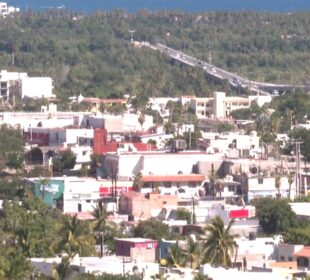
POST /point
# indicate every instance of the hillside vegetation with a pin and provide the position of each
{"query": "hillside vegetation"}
(92, 54)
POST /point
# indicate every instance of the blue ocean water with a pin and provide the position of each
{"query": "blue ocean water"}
(153, 5)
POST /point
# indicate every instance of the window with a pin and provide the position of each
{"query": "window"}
(167, 184)
(290, 259)
(282, 258)
(150, 245)
(260, 181)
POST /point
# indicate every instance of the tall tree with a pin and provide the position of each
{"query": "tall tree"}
(100, 215)
(176, 256)
(275, 215)
(194, 253)
(290, 180)
(278, 185)
(219, 244)
(75, 238)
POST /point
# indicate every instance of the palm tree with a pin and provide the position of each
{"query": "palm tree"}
(213, 180)
(290, 180)
(137, 182)
(219, 244)
(176, 256)
(75, 238)
(194, 253)
(278, 184)
(100, 215)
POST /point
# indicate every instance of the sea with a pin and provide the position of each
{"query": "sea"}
(89, 6)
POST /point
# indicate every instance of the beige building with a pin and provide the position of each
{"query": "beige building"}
(145, 206)
(219, 106)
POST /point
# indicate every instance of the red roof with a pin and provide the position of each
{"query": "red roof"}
(173, 178)
(304, 252)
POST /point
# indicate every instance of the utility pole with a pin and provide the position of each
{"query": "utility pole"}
(297, 166)
(190, 138)
(114, 171)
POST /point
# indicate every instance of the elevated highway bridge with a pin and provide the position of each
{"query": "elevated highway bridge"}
(221, 74)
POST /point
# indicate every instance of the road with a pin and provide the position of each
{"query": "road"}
(221, 74)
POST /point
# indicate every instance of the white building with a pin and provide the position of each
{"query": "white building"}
(119, 123)
(265, 186)
(25, 86)
(220, 273)
(261, 99)
(224, 141)
(45, 119)
(97, 266)
(37, 87)
(221, 106)
(6, 10)
(159, 104)
(154, 163)
(77, 195)
(10, 82)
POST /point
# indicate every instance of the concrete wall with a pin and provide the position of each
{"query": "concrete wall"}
(218, 104)
(37, 87)
(285, 252)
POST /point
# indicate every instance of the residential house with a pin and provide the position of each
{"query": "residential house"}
(24, 86)
(78, 194)
(218, 106)
(145, 206)
(130, 164)
(137, 248)
(97, 266)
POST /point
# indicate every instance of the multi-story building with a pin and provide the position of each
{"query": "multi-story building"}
(77, 195)
(24, 86)
(219, 106)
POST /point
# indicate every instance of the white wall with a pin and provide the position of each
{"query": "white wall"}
(267, 187)
(218, 104)
(73, 135)
(37, 87)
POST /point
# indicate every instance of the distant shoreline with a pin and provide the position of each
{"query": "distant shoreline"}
(191, 6)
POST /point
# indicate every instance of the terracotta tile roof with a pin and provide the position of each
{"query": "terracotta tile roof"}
(173, 178)
(304, 252)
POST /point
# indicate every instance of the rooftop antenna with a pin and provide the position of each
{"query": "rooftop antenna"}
(132, 33)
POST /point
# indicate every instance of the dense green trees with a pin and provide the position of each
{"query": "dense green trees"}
(183, 214)
(92, 54)
(275, 215)
(27, 229)
(151, 228)
(64, 160)
(11, 143)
